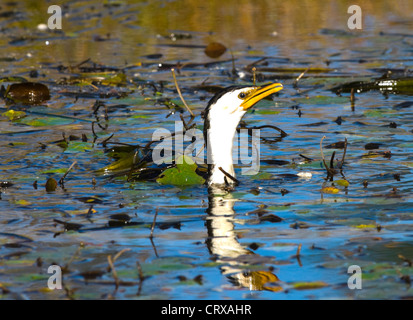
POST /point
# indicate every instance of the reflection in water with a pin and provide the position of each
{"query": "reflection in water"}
(222, 242)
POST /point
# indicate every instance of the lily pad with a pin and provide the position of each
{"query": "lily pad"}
(182, 175)
(35, 121)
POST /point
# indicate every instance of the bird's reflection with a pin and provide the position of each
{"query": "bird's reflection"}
(222, 242)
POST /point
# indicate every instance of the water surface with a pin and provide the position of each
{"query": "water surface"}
(268, 217)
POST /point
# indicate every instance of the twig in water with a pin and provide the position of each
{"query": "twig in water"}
(66, 266)
(255, 63)
(103, 143)
(141, 278)
(331, 171)
(199, 152)
(344, 154)
(76, 66)
(283, 133)
(106, 113)
(299, 77)
(133, 165)
(93, 131)
(154, 247)
(61, 181)
(180, 94)
(299, 250)
(352, 99)
(408, 261)
(187, 126)
(111, 262)
(89, 212)
(229, 176)
(114, 273)
(97, 105)
(305, 158)
(298, 255)
(234, 70)
(322, 153)
(332, 160)
(120, 253)
(254, 75)
(153, 224)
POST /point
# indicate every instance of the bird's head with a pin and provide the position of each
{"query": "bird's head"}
(232, 103)
(223, 114)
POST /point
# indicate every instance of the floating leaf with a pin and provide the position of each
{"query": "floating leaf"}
(378, 113)
(182, 175)
(12, 79)
(78, 146)
(45, 121)
(28, 93)
(161, 265)
(262, 175)
(14, 115)
(22, 202)
(332, 190)
(342, 182)
(49, 171)
(309, 285)
(125, 161)
(215, 50)
(105, 78)
(364, 226)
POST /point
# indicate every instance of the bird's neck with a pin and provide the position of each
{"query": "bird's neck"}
(220, 141)
(220, 156)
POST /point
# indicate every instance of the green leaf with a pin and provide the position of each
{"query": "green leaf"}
(309, 285)
(59, 171)
(78, 146)
(331, 190)
(105, 78)
(342, 182)
(44, 121)
(14, 115)
(262, 176)
(182, 175)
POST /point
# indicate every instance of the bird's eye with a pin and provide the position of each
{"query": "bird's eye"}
(242, 95)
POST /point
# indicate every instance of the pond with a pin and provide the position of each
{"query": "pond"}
(69, 198)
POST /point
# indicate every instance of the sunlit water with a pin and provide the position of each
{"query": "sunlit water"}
(365, 224)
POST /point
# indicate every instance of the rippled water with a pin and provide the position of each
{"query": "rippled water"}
(247, 247)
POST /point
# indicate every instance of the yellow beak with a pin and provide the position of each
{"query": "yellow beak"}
(260, 93)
